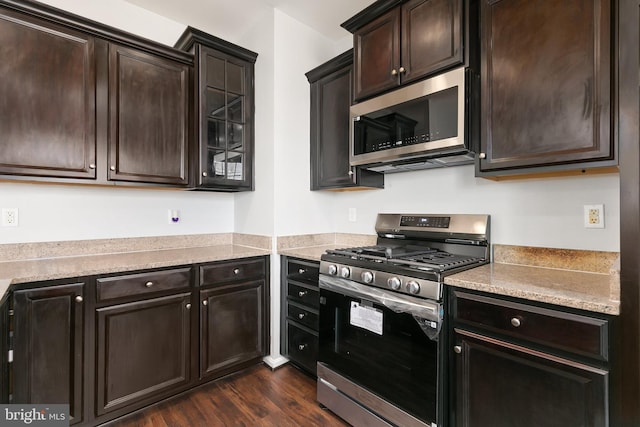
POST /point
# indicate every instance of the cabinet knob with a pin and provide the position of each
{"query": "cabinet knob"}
(204, 174)
(394, 72)
(79, 298)
(302, 347)
(204, 302)
(149, 284)
(482, 155)
(92, 166)
(302, 271)
(302, 293)
(457, 349)
(236, 271)
(516, 322)
(301, 316)
(113, 168)
(188, 306)
(402, 70)
(350, 173)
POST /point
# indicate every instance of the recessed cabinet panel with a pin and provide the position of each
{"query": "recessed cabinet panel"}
(47, 99)
(148, 117)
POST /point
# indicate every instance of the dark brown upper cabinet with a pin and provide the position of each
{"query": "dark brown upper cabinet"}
(47, 99)
(148, 117)
(397, 42)
(546, 84)
(224, 105)
(81, 102)
(331, 94)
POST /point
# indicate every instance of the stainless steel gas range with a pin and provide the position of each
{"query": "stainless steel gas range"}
(381, 314)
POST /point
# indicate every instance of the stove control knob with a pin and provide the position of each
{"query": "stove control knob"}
(394, 283)
(345, 272)
(333, 270)
(367, 276)
(413, 287)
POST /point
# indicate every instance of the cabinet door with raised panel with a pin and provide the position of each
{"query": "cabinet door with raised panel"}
(377, 55)
(143, 351)
(232, 327)
(47, 99)
(501, 384)
(431, 37)
(148, 117)
(546, 83)
(48, 359)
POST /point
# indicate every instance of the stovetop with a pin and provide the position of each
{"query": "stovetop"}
(413, 253)
(413, 256)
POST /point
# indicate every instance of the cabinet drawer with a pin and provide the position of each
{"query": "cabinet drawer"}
(231, 271)
(301, 315)
(303, 295)
(303, 272)
(302, 347)
(584, 335)
(143, 283)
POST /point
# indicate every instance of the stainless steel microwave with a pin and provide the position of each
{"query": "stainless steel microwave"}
(427, 124)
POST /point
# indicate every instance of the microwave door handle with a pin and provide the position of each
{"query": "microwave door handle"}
(397, 302)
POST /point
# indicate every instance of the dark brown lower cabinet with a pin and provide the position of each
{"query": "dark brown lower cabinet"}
(143, 351)
(528, 365)
(48, 354)
(502, 385)
(232, 327)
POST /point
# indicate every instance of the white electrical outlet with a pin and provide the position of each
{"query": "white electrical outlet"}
(9, 217)
(593, 216)
(352, 214)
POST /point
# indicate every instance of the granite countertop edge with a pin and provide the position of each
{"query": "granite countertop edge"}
(575, 289)
(44, 269)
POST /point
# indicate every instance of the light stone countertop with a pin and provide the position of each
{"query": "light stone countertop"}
(312, 246)
(36, 270)
(36, 262)
(586, 280)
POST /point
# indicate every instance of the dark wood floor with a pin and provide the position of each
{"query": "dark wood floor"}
(255, 397)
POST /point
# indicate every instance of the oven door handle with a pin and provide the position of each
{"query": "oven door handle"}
(398, 303)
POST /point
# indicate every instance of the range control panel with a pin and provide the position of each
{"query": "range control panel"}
(425, 221)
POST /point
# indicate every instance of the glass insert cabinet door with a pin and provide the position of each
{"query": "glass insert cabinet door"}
(227, 120)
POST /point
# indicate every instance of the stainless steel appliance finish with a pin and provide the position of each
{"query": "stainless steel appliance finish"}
(423, 125)
(381, 313)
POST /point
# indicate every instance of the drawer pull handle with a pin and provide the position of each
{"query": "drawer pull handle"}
(457, 349)
(301, 316)
(188, 306)
(236, 271)
(301, 347)
(302, 271)
(516, 322)
(79, 298)
(302, 293)
(204, 302)
(148, 284)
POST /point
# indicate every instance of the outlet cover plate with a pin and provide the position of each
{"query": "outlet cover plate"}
(594, 216)
(9, 217)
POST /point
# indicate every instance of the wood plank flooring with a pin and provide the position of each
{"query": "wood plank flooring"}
(257, 396)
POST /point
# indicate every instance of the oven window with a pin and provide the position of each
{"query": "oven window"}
(429, 118)
(400, 365)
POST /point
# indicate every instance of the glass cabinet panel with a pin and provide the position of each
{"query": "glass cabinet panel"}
(226, 119)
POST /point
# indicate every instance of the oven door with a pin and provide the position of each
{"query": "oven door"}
(384, 342)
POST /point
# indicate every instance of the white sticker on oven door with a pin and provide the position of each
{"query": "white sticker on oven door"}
(368, 318)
